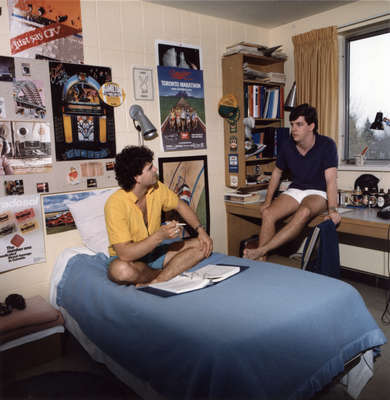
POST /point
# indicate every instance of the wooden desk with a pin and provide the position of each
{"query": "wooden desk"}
(243, 221)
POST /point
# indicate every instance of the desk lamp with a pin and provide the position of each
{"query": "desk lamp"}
(145, 128)
(381, 124)
(290, 103)
(377, 125)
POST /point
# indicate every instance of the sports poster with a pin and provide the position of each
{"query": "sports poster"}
(21, 232)
(46, 28)
(84, 127)
(182, 109)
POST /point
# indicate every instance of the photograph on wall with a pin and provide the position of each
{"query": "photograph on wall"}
(29, 99)
(182, 109)
(21, 233)
(25, 148)
(7, 69)
(14, 187)
(58, 218)
(84, 126)
(143, 83)
(188, 178)
(46, 28)
(171, 54)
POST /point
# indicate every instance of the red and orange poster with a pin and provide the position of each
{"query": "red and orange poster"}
(47, 28)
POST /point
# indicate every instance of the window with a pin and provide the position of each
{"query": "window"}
(367, 91)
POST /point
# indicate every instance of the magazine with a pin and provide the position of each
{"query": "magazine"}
(194, 280)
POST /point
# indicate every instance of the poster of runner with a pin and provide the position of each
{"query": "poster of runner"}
(182, 109)
(21, 232)
(46, 28)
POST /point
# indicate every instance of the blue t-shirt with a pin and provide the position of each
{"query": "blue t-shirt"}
(308, 171)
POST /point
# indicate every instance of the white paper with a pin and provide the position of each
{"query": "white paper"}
(188, 281)
(181, 284)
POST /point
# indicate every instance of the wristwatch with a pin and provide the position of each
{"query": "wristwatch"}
(199, 226)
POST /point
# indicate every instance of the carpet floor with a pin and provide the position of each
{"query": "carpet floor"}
(65, 385)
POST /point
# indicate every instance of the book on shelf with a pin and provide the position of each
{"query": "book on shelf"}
(243, 43)
(257, 49)
(193, 280)
(263, 102)
(252, 197)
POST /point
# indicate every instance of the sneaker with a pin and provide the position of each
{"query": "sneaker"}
(254, 149)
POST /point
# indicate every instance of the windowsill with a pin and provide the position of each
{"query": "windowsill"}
(385, 167)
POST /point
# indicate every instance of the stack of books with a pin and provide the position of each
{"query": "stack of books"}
(256, 49)
(245, 198)
(263, 102)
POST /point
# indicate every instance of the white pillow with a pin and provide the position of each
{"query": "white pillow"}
(88, 214)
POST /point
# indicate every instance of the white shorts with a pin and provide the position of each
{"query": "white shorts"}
(299, 194)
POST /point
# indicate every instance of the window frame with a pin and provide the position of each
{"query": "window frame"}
(350, 36)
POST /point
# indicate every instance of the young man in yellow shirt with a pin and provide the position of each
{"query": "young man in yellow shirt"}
(144, 249)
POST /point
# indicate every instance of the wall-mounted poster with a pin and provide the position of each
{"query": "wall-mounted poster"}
(58, 218)
(47, 28)
(182, 110)
(188, 178)
(84, 126)
(143, 83)
(21, 232)
(171, 54)
(25, 117)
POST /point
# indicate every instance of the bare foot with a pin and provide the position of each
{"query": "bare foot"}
(255, 254)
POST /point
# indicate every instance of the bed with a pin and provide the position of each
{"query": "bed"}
(269, 332)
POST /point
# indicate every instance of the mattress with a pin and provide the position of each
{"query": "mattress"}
(271, 332)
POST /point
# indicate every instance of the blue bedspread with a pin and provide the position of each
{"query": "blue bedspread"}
(270, 332)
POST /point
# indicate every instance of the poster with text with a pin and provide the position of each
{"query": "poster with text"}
(84, 126)
(21, 232)
(182, 109)
(46, 28)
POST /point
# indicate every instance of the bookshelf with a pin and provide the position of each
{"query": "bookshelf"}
(238, 167)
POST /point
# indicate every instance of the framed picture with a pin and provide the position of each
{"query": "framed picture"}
(188, 178)
(143, 83)
(171, 54)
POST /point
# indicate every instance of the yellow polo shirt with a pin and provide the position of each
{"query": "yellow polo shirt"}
(124, 219)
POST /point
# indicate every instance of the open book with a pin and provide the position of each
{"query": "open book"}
(189, 281)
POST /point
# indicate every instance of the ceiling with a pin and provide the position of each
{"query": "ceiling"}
(263, 13)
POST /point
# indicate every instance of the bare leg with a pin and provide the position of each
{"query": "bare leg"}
(309, 208)
(180, 259)
(128, 272)
(280, 208)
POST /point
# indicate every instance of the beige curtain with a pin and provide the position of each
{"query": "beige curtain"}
(317, 76)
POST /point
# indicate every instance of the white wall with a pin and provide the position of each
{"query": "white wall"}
(119, 34)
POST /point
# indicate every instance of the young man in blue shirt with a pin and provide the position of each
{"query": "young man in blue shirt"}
(312, 161)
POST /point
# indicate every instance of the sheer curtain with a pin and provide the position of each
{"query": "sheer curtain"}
(317, 76)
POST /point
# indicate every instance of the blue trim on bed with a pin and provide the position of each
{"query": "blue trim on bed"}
(272, 332)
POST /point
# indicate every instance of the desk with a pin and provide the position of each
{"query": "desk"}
(243, 222)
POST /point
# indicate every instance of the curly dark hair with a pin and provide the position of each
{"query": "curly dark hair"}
(129, 163)
(306, 111)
